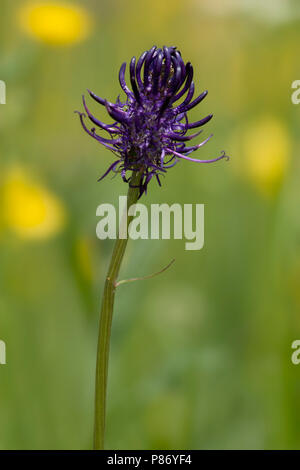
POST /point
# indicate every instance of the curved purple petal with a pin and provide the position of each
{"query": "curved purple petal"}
(200, 123)
(183, 138)
(132, 79)
(112, 167)
(139, 66)
(106, 127)
(123, 82)
(97, 98)
(196, 101)
(199, 161)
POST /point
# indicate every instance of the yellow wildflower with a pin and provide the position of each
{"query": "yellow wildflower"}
(29, 209)
(83, 255)
(266, 146)
(55, 23)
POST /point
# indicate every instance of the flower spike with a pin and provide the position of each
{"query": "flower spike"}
(149, 132)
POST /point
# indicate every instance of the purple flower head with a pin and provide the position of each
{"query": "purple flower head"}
(149, 129)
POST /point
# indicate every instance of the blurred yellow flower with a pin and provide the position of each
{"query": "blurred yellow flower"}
(266, 146)
(55, 23)
(83, 255)
(29, 209)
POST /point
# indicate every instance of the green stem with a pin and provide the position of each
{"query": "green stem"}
(106, 320)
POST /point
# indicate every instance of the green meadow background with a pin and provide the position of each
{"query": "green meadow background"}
(200, 355)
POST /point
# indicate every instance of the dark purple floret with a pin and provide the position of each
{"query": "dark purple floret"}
(149, 132)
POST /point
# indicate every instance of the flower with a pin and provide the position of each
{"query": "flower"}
(55, 23)
(29, 209)
(149, 131)
(83, 256)
(266, 164)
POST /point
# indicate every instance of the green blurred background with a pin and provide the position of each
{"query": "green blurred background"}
(201, 355)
